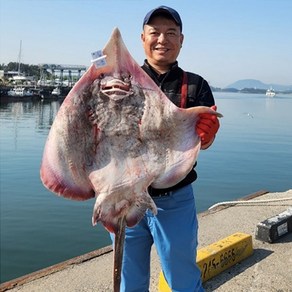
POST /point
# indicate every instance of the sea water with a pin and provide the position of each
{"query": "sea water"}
(252, 152)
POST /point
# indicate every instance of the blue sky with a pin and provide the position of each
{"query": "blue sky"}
(225, 40)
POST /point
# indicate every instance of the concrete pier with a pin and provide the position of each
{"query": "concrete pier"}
(269, 268)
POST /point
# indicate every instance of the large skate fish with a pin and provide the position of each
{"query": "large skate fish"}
(116, 134)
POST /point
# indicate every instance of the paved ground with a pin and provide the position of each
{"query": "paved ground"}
(268, 269)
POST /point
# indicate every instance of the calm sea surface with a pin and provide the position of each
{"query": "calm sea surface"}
(253, 151)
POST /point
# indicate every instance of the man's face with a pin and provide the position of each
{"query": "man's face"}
(162, 41)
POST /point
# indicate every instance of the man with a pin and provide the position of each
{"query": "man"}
(174, 229)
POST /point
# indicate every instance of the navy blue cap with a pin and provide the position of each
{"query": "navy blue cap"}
(163, 9)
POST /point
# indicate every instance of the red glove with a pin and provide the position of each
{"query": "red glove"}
(207, 127)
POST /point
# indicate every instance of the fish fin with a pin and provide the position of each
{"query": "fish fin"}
(137, 211)
(186, 145)
(109, 213)
(57, 180)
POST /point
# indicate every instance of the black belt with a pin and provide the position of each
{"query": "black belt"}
(160, 194)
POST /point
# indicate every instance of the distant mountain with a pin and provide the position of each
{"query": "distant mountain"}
(256, 84)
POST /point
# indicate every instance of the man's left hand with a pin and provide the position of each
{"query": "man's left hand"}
(207, 127)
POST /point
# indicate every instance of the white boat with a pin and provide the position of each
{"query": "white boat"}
(56, 91)
(20, 91)
(270, 92)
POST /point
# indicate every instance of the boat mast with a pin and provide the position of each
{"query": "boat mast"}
(19, 57)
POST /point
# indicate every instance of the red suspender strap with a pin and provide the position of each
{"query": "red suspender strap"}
(184, 91)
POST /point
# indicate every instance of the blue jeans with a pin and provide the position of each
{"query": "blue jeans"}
(174, 233)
